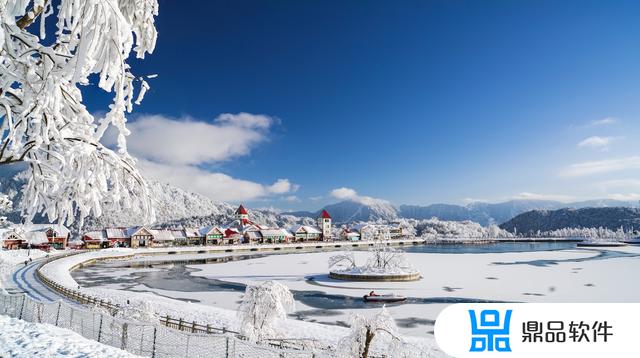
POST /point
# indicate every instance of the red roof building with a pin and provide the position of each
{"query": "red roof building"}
(325, 215)
(241, 210)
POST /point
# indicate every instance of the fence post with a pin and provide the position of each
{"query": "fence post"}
(100, 328)
(24, 299)
(153, 349)
(193, 327)
(180, 324)
(40, 308)
(227, 348)
(58, 313)
(123, 344)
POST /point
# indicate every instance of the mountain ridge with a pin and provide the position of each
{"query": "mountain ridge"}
(480, 212)
(611, 218)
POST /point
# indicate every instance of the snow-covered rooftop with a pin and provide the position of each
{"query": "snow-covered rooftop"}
(116, 233)
(162, 235)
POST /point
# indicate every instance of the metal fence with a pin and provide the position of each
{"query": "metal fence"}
(172, 322)
(142, 339)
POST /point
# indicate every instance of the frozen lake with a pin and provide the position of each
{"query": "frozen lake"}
(516, 272)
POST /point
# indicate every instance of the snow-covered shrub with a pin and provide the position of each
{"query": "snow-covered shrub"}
(435, 228)
(360, 341)
(262, 305)
(139, 310)
(599, 233)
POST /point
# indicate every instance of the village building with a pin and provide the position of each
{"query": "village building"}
(377, 231)
(272, 236)
(350, 235)
(179, 237)
(324, 223)
(95, 240)
(117, 237)
(162, 238)
(40, 236)
(240, 230)
(253, 237)
(56, 235)
(212, 235)
(396, 232)
(12, 240)
(193, 236)
(306, 233)
(139, 237)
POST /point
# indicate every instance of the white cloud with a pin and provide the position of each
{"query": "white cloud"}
(291, 199)
(601, 166)
(625, 197)
(632, 184)
(246, 120)
(282, 186)
(535, 196)
(316, 198)
(603, 122)
(596, 142)
(188, 141)
(218, 186)
(343, 193)
(350, 194)
(173, 150)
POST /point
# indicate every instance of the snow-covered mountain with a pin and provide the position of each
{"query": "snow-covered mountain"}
(548, 220)
(496, 213)
(174, 207)
(171, 203)
(355, 210)
(178, 207)
(480, 212)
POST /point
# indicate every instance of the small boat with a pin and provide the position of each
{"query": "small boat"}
(384, 298)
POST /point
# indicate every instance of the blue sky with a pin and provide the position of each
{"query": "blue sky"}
(414, 102)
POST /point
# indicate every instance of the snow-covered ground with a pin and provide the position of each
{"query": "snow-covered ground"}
(217, 314)
(571, 275)
(544, 276)
(576, 275)
(23, 339)
(10, 258)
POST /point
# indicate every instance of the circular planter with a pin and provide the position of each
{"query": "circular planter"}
(414, 276)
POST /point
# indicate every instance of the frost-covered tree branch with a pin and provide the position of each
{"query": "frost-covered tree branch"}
(341, 259)
(44, 121)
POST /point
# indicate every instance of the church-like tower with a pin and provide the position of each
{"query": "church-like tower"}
(324, 223)
(242, 215)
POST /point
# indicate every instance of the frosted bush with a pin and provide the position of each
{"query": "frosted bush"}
(263, 304)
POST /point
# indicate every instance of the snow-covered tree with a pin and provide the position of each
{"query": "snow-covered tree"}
(5, 203)
(363, 331)
(262, 305)
(45, 124)
(344, 260)
(387, 259)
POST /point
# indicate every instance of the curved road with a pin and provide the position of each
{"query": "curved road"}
(24, 280)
